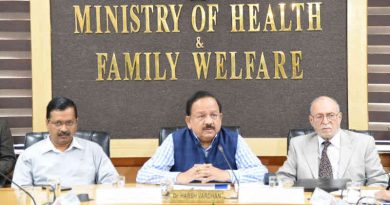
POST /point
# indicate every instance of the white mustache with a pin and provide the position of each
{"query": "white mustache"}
(326, 127)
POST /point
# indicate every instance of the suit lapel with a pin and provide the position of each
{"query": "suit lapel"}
(346, 145)
(311, 154)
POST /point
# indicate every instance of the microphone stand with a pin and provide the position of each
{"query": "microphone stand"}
(236, 188)
(10, 180)
(49, 188)
(386, 173)
(367, 178)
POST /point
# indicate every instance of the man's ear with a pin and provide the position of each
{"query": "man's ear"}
(311, 120)
(47, 124)
(188, 121)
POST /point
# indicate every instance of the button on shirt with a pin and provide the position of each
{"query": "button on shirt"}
(333, 153)
(84, 162)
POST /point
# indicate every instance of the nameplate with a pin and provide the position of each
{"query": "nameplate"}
(196, 196)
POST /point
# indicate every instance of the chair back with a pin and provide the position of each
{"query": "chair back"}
(304, 131)
(165, 131)
(366, 132)
(101, 138)
(297, 132)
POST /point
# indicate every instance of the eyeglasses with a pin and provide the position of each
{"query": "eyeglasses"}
(59, 124)
(203, 117)
(329, 116)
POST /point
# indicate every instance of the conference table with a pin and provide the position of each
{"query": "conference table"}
(109, 194)
(141, 194)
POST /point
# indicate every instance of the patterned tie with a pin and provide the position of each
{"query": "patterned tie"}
(325, 166)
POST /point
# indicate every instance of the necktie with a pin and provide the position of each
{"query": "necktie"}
(325, 170)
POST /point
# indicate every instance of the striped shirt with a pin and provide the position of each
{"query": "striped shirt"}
(156, 169)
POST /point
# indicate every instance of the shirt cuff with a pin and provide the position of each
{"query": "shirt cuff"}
(232, 178)
(172, 176)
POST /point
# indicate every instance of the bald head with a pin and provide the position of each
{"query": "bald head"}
(324, 100)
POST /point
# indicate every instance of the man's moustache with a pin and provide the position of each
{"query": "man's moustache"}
(60, 134)
(209, 127)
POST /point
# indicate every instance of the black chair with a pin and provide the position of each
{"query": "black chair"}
(101, 138)
(7, 155)
(304, 131)
(165, 131)
(297, 132)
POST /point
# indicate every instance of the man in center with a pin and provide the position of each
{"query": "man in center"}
(192, 154)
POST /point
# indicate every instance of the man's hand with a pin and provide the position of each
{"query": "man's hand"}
(211, 173)
(383, 195)
(189, 175)
(203, 173)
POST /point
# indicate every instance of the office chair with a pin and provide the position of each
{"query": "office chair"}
(101, 138)
(165, 131)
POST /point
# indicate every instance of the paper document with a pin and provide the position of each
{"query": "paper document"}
(150, 195)
(363, 192)
(259, 193)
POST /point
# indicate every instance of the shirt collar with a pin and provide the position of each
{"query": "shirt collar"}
(211, 144)
(49, 146)
(335, 141)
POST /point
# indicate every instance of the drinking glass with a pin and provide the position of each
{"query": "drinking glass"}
(119, 181)
(166, 186)
(273, 181)
(353, 191)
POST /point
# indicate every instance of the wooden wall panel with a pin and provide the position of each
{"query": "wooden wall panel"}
(15, 67)
(379, 67)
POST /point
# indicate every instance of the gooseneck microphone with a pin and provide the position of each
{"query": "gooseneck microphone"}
(367, 178)
(51, 189)
(388, 183)
(220, 148)
(10, 180)
(378, 175)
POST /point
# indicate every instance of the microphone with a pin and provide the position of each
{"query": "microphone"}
(367, 178)
(51, 189)
(220, 148)
(378, 175)
(10, 180)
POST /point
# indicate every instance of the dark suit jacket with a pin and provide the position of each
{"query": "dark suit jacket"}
(7, 154)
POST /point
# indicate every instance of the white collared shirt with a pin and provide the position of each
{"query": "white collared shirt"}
(205, 150)
(333, 152)
(49, 146)
(84, 162)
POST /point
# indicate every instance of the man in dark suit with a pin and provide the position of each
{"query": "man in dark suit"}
(7, 154)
